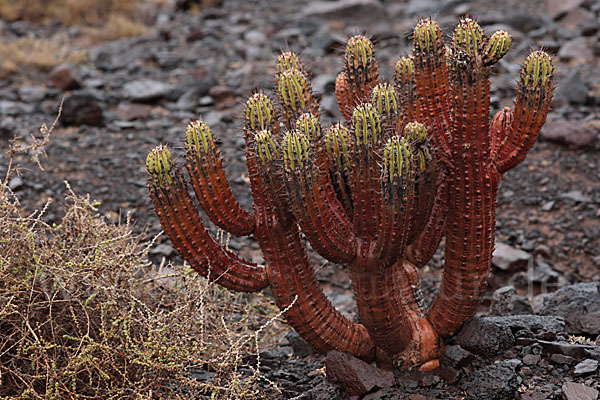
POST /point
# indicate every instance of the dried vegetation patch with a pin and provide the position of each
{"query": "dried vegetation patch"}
(97, 20)
(83, 314)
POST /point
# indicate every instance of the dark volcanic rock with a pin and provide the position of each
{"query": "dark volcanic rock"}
(355, 375)
(505, 301)
(498, 381)
(578, 304)
(573, 350)
(490, 336)
(484, 337)
(300, 347)
(456, 357)
(81, 108)
(572, 133)
(562, 359)
(534, 323)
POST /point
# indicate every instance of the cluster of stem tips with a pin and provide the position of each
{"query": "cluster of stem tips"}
(414, 160)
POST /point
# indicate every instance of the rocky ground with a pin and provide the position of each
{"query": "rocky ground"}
(135, 93)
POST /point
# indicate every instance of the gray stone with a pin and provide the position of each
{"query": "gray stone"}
(578, 391)
(586, 367)
(146, 90)
(572, 89)
(363, 11)
(167, 60)
(356, 376)
(123, 53)
(508, 258)
(324, 83)
(579, 305)
(162, 250)
(575, 49)
(8, 107)
(543, 273)
(193, 94)
(429, 7)
(326, 42)
(32, 94)
(571, 133)
(505, 301)
(498, 381)
(329, 104)
(15, 183)
(576, 196)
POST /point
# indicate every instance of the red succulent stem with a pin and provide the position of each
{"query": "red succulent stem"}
(424, 244)
(379, 305)
(321, 216)
(472, 200)
(291, 274)
(433, 88)
(344, 96)
(214, 194)
(188, 235)
(518, 129)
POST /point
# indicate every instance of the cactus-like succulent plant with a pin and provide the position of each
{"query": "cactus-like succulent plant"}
(413, 162)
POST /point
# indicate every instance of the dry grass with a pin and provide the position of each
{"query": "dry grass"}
(41, 54)
(71, 12)
(84, 316)
(100, 20)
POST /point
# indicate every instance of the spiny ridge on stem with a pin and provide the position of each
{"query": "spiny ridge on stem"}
(397, 156)
(336, 143)
(259, 113)
(265, 147)
(295, 150)
(159, 164)
(366, 123)
(198, 137)
(468, 36)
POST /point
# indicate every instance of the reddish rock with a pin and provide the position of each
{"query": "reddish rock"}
(64, 77)
(572, 133)
(356, 376)
(558, 8)
(532, 359)
(130, 112)
(578, 391)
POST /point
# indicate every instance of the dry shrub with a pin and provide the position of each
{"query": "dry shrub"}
(40, 53)
(100, 20)
(84, 316)
(71, 12)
